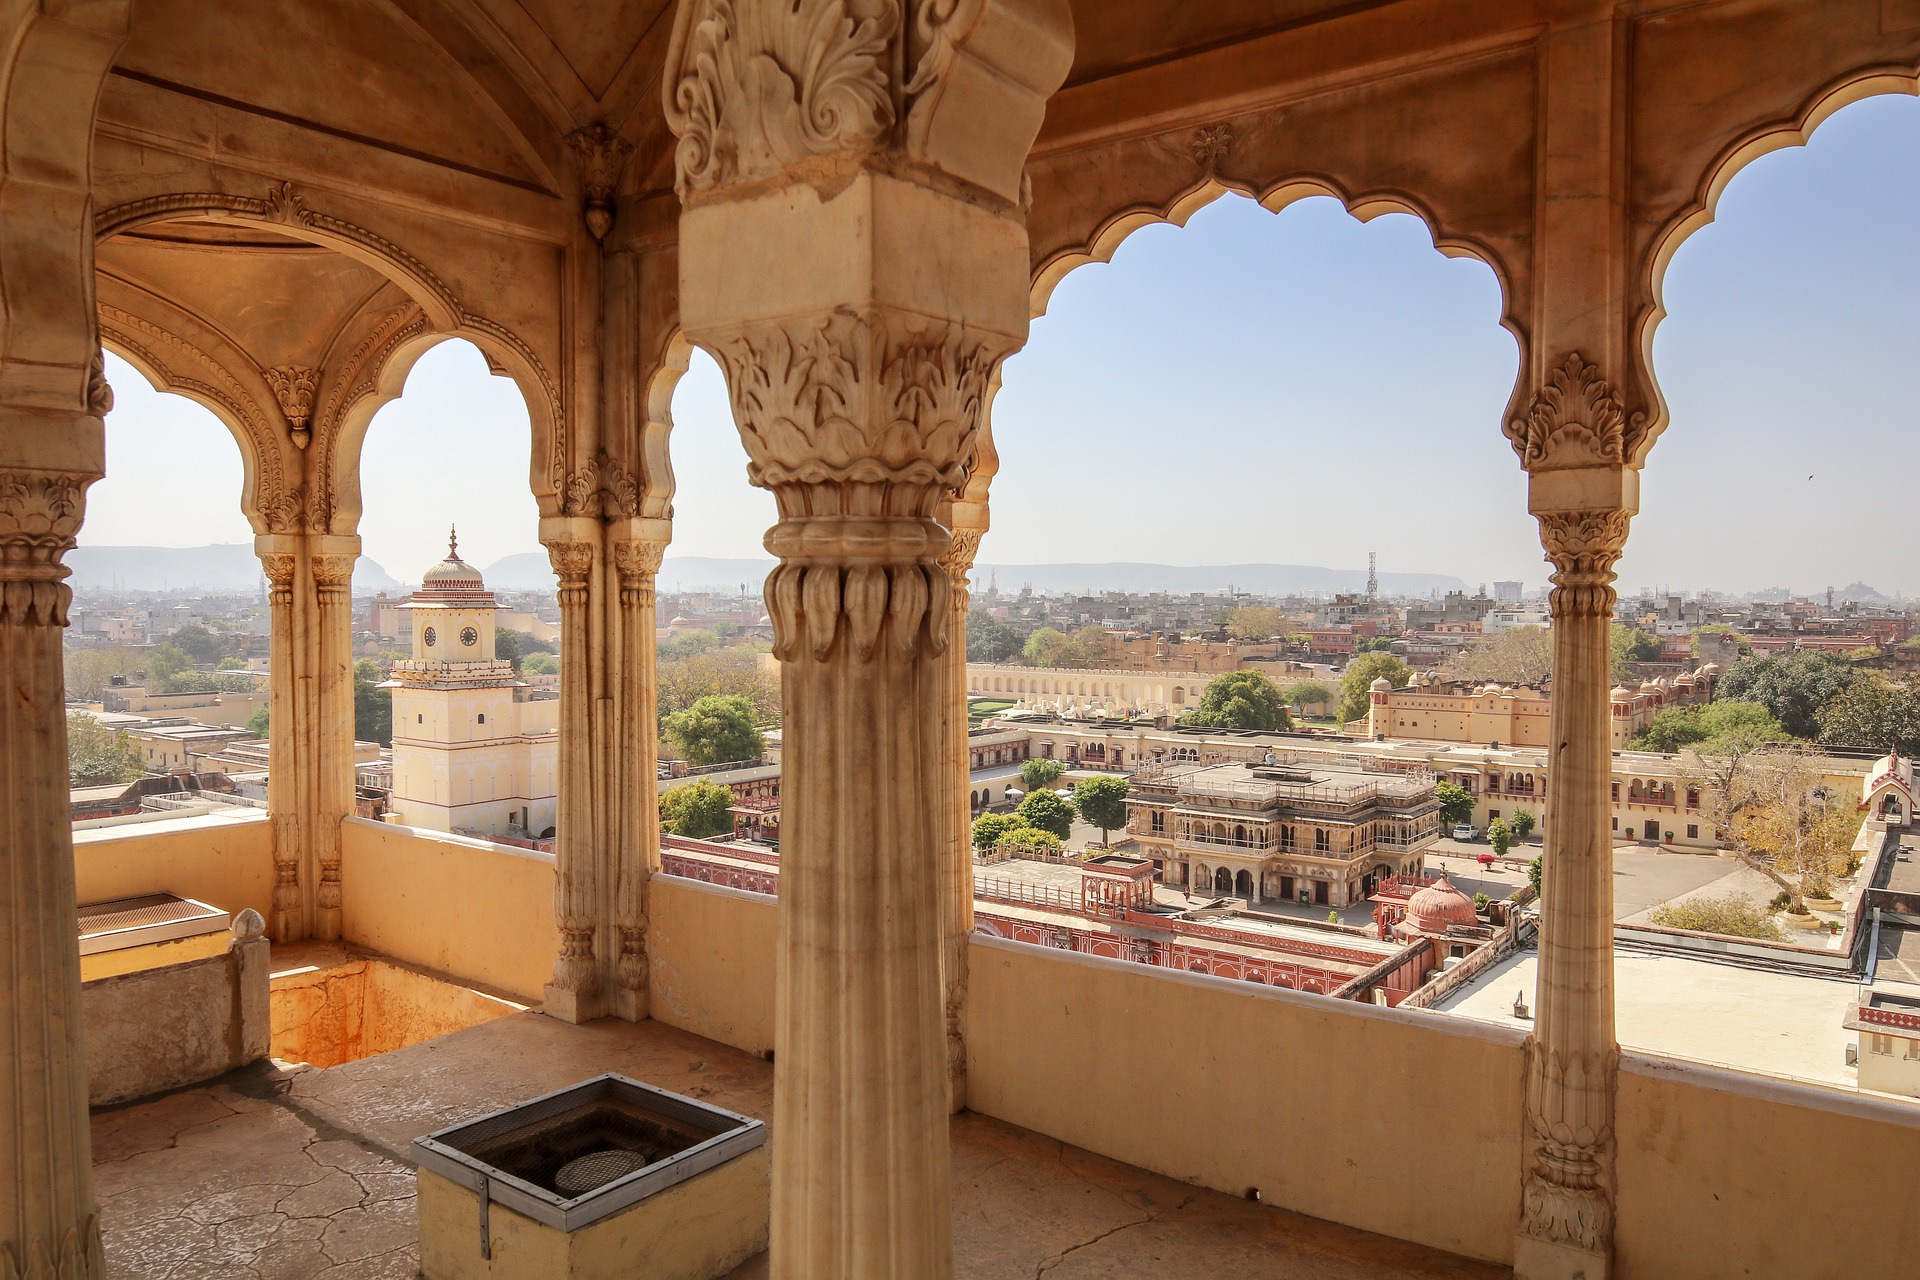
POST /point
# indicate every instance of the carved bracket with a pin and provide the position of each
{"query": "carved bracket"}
(293, 386)
(1576, 419)
(602, 154)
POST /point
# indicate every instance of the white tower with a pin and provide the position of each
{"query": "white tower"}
(470, 753)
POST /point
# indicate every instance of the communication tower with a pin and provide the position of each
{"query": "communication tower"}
(1373, 580)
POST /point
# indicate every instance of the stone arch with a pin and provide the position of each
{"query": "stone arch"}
(399, 339)
(1764, 138)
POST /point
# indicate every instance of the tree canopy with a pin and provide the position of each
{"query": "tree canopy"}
(372, 705)
(515, 646)
(1628, 645)
(1253, 622)
(1361, 673)
(1708, 728)
(1883, 715)
(1050, 647)
(1308, 693)
(989, 639)
(731, 672)
(1039, 773)
(199, 644)
(1792, 686)
(1516, 655)
(1456, 803)
(697, 810)
(1102, 802)
(989, 827)
(539, 664)
(257, 723)
(1734, 915)
(714, 730)
(98, 756)
(1046, 811)
(1241, 700)
(1781, 818)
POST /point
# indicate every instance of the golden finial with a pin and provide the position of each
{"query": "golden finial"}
(453, 543)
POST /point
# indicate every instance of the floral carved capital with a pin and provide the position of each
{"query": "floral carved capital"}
(99, 393)
(601, 488)
(40, 514)
(333, 571)
(1565, 1196)
(1576, 419)
(572, 562)
(753, 87)
(1583, 547)
(293, 386)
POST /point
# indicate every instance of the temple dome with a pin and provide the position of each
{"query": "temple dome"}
(1438, 905)
(1380, 685)
(453, 571)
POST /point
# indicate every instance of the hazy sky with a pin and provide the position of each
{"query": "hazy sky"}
(1297, 388)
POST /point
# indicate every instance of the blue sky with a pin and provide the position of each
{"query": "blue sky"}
(1297, 388)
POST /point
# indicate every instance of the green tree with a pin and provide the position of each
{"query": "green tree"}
(514, 646)
(1024, 839)
(1456, 803)
(1500, 836)
(164, 665)
(539, 664)
(90, 672)
(1628, 645)
(257, 723)
(372, 705)
(697, 810)
(1047, 811)
(1102, 802)
(989, 639)
(1038, 774)
(1241, 700)
(1793, 686)
(98, 756)
(1534, 870)
(231, 664)
(732, 672)
(1050, 647)
(1373, 644)
(1361, 673)
(1523, 823)
(989, 827)
(1045, 647)
(1735, 915)
(1883, 715)
(1307, 693)
(1708, 728)
(714, 730)
(201, 646)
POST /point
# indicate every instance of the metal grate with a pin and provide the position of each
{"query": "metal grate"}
(138, 913)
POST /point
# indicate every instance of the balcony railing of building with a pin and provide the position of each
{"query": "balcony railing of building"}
(1892, 1019)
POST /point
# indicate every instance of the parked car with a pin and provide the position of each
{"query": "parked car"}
(1466, 831)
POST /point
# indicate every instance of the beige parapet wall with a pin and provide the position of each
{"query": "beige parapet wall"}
(159, 1029)
(713, 954)
(226, 862)
(1727, 1174)
(1401, 1123)
(475, 911)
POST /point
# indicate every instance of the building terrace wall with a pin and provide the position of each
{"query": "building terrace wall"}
(226, 862)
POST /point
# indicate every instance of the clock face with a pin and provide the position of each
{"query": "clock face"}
(469, 637)
(430, 637)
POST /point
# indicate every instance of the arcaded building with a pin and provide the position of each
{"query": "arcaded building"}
(857, 206)
(1314, 834)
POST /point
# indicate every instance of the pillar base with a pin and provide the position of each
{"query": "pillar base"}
(572, 1006)
(630, 1005)
(1535, 1259)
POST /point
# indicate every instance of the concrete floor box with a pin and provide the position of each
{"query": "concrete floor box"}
(585, 1181)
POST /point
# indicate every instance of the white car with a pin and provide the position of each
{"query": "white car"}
(1466, 831)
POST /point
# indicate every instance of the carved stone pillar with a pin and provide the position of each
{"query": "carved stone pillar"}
(968, 522)
(1576, 441)
(48, 1223)
(283, 782)
(638, 546)
(573, 545)
(852, 252)
(331, 788)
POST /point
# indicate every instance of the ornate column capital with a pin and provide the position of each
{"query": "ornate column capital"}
(1583, 547)
(1577, 418)
(40, 513)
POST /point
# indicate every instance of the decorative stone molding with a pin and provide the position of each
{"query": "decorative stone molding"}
(637, 561)
(1576, 419)
(601, 488)
(957, 560)
(1565, 1197)
(99, 391)
(752, 87)
(602, 155)
(40, 514)
(286, 208)
(1210, 145)
(75, 1256)
(1583, 547)
(293, 386)
(357, 378)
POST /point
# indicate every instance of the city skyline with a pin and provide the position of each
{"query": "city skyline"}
(1250, 333)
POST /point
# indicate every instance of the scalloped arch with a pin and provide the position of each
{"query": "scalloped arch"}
(1761, 140)
(286, 212)
(1363, 206)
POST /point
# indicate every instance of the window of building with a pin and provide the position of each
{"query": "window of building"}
(1693, 797)
(1882, 1045)
(421, 718)
(1159, 821)
(1913, 1051)
(1616, 793)
(1693, 831)
(1492, 814)
(483, 717)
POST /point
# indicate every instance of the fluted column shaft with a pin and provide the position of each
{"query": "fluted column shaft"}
(638, 546)
(573, 546)
(332, 763)
(49, 1227)
(285, 808)
(969, 521)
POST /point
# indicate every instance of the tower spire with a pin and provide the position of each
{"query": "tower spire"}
(453, 542)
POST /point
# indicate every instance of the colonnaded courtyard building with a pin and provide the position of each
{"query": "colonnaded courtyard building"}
(856, 206)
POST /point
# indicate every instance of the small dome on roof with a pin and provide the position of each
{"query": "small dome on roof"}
(453, 571)
(1622, 694)
(1381, 685)
(1438, 905)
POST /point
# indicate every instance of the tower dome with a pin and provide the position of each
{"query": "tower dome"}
(453, 571)
(1380, 685)
(1438, 905)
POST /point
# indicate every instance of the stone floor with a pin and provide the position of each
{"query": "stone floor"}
(305, 1175)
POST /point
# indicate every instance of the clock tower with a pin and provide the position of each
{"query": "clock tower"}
(471, 753)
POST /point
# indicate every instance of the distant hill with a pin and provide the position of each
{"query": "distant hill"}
(230, 567)
(704, 573)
